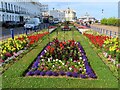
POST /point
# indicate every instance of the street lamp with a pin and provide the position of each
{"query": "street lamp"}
(102, 12)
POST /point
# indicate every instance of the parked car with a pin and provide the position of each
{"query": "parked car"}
(8, 24)
(56, 21)
(32, 24)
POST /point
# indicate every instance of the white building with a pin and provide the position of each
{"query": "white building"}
(87, 18)
(64, 15)
(19, 11)
(70, 15)
(58, 14)
(44, 10)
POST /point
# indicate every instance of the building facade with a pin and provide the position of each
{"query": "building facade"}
(20, 11)
(70, 15)
(58, 14)
(87, 18)
(64, 15)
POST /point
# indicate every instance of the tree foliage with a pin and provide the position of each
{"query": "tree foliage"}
(111, 21)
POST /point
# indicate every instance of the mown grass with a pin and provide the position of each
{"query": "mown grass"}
(13, 77)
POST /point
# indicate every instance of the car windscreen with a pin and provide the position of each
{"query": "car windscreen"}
(30, 22)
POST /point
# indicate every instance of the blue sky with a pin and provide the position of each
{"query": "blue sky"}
(93, 8)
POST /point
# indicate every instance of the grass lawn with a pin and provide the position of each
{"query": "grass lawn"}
(13, 77)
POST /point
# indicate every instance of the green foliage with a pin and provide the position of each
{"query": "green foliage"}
(110, 21)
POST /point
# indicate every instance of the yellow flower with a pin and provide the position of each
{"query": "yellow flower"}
(4, 51)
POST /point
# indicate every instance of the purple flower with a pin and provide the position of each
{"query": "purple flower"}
(49, 73)
(37, 72)
(42, 73)
(30, 73)
(75, 74)
(42, 53)
(38, 57)
(62, 73)
(55, 73)
(82, 76)
(84, 57)
(69, 74)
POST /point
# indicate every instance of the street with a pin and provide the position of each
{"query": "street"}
(17, 30)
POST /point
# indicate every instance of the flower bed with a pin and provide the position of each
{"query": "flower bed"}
(110, 47)
(51, 28)
(81, 29)
(66, 28)
(97, 40)
(13, 48)
(62, 58)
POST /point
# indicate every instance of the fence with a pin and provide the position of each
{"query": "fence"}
(106, 32)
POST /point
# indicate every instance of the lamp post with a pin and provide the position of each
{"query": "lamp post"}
(102, 13)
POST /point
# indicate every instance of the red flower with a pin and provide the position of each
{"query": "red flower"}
(48, 47)
(52, 50)
(73, 66)
(61, 45)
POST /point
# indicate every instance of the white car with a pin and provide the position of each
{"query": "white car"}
(32, 24)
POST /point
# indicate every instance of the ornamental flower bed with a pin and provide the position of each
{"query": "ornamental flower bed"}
(66, 28)
(11, 47)
(62, 59)
(34, 38)
(110, 46)
(51, 28)
(97, 40)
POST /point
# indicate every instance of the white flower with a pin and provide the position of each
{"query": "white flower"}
(70, 68)
(78, 62)
(41, 56)
(42, 59)
(53, 66)
(56, 59)
(80, 58)
(53, 60)
(45, 51)
(63, 64)
(60, 61)
(48, 59)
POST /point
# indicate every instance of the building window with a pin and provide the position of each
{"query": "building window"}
(11, 7)
(3, 18)
(15, 18)
(2, 5)
(14, 8)
(12, 18)
(7, 18)
(6, 6)
(0, 18)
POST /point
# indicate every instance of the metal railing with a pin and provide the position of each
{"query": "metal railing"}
(105, 31)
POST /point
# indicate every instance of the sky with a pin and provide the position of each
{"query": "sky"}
(94, 8)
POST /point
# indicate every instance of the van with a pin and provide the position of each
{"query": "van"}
(32, 24)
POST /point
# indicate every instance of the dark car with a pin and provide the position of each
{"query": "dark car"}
(7, 24)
